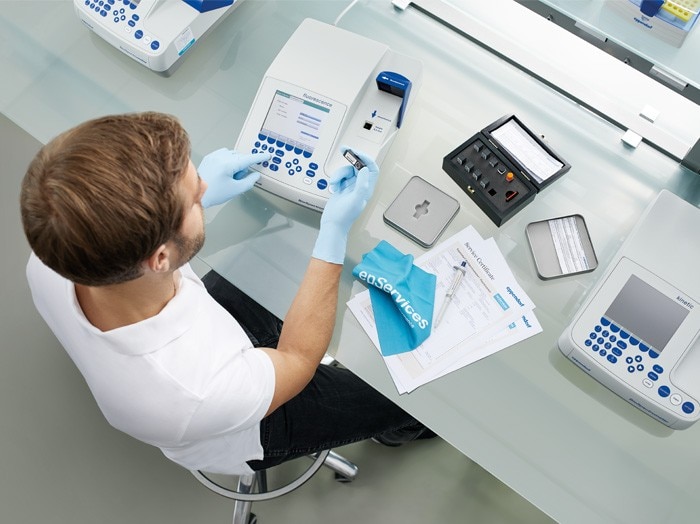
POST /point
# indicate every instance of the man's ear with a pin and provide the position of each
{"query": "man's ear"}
(160, 260)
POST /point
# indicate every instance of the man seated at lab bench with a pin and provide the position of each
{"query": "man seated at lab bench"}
(113, 211)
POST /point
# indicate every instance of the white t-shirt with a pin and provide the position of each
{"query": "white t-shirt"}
(186, 380)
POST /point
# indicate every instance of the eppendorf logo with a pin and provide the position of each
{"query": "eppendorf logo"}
(512, 294)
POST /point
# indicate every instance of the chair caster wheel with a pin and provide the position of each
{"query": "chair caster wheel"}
(342, 479)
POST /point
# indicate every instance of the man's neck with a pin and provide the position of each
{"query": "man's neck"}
(119, 305)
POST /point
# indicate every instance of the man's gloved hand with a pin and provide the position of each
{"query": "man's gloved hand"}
(351, 191)
(227, 175)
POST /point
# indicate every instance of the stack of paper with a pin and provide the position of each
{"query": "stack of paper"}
(489, 312)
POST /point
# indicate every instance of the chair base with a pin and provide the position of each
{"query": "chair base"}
(243, 496)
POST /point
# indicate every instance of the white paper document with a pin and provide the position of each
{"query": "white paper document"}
(489, 311)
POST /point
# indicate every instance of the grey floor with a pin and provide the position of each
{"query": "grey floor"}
(61, 463)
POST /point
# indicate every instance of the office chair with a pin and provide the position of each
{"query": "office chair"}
(244, 494)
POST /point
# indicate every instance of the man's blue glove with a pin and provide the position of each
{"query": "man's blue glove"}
(351, 191)
(227, 175)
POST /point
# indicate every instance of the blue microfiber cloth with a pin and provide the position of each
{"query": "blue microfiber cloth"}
(402, 295)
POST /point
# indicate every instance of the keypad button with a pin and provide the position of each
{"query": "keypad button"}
(653, 376)
(624, 334)
(614, 328)
(612, 359)
(621, 344)
(658, 369)
(322, 184)
(634, 341)
(664, 391)
(688, 407)
(653, 354)
(604, 321)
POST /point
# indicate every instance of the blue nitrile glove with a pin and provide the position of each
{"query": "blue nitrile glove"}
(351, 191)
(402, 296)
(227, 175)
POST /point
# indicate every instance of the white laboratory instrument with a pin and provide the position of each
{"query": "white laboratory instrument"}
(155, 33)
(326, 88)
(638, 332)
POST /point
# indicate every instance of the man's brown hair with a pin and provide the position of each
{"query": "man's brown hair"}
(100, 198)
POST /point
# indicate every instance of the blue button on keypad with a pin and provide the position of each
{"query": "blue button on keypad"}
(658, 369)
(664, 391)
(688, 407)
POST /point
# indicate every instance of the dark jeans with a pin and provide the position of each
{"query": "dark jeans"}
(335, 408)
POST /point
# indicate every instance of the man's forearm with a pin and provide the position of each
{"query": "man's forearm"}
(307, 331)
(309, 324)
